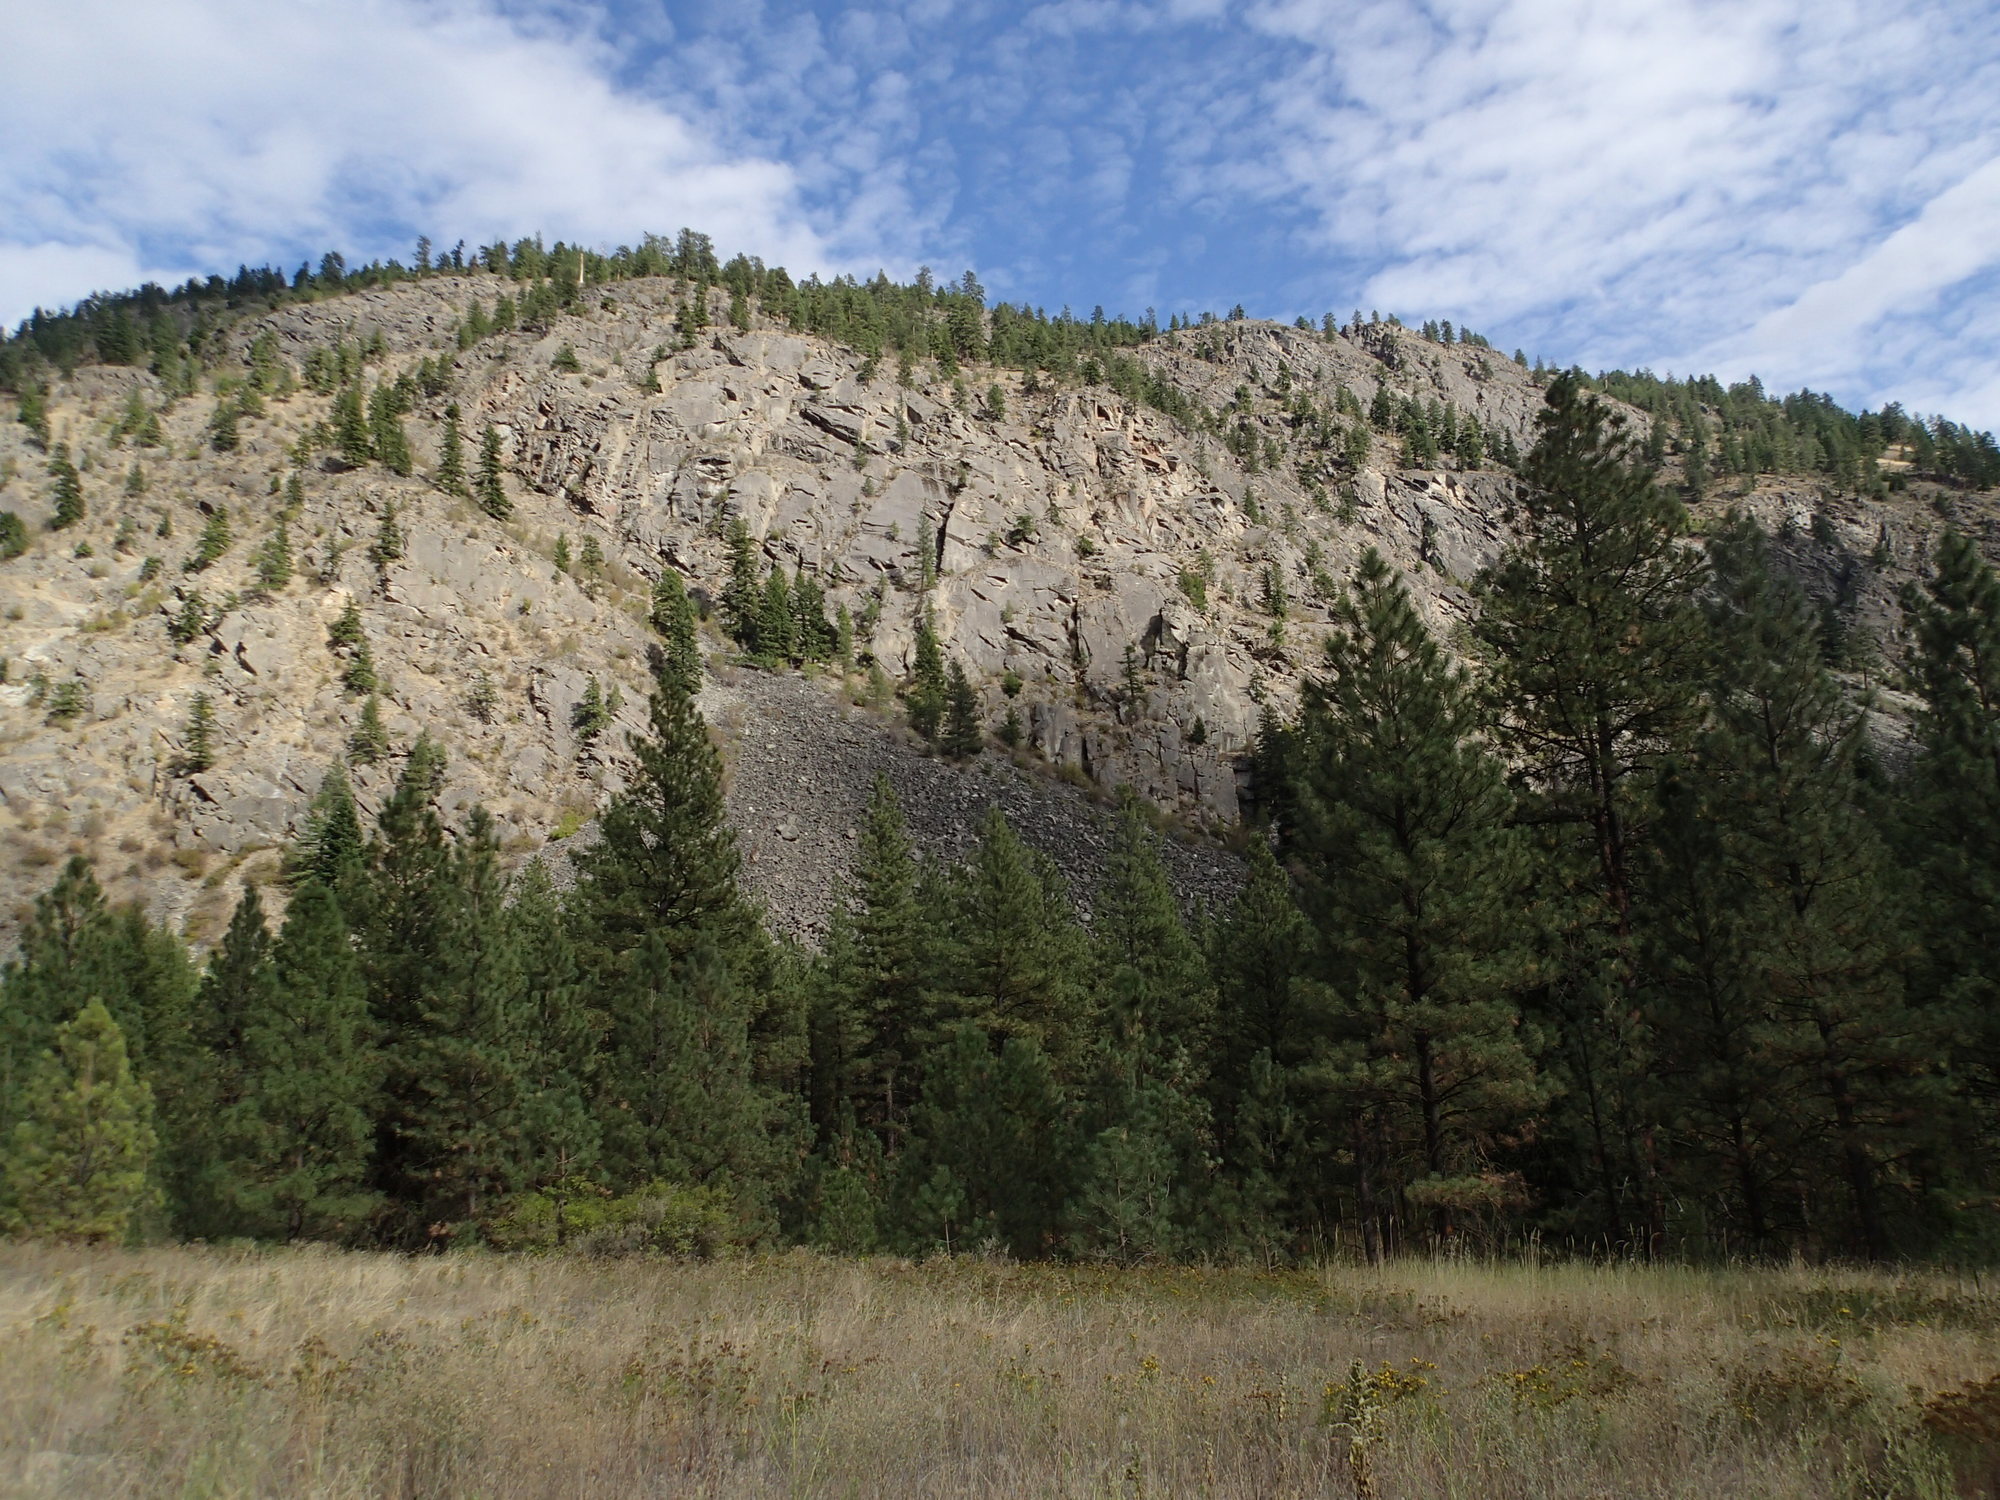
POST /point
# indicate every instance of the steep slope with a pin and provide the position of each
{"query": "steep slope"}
(1144, 588)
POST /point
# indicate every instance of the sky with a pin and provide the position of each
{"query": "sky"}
(1806, 190)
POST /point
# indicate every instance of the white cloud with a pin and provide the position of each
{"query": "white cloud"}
(1657, 180)
(188, 135)
(1956, 236)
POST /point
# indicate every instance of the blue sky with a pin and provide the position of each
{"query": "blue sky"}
(1809, 191)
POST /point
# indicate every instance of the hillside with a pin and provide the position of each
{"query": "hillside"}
(1136, 586)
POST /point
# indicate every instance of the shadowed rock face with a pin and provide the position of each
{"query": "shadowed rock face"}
(1114, 567)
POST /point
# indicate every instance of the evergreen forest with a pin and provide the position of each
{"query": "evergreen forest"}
(1622, 925)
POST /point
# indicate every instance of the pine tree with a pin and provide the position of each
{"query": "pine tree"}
(333, 849)
(1142, 1186)
(560, 1030)
(68, 490)
(1412, 881)
(224, 434)
(812, 636)
(346, 631)
(198, 738)
(673, 616)
(680, 1102)
(460, 1077)
(13, 536)
(1144, 955)
(193, 1157)
(79, 1159)
(388, 544)
(1805, 879)
(878, 979)
(391, 445)
(591, 715)
(961, 736)
(989, 1154)
(1952, 814)
(743, 595)
(450, 476)
(927, 692)
(370, 740)
(75, 948)
(299, 1139)
(665, 861)
(33, 410)
(352, 438)
(1595, 658)
(274, 558)
(1018, 962)
(359, 674)
(488, 487)
(215, 542)
(777, 641)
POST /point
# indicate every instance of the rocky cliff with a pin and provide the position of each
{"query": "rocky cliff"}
(1136, 590)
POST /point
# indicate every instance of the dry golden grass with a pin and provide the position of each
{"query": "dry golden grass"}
(318, 1373)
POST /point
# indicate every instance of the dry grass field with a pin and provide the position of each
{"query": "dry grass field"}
(316, 1373)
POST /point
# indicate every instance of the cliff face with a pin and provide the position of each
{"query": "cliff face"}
(1120, 573)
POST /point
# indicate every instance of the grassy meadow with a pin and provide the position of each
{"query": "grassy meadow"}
(321, 1373)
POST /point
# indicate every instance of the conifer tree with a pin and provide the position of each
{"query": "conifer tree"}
(561, 1030)
(1142, 1186)
(388, 544)
(777, 641)
(359, 674)
(198, 738)
(665, 860)
(346, 631)
(1804, 876)
(961, 736)
(299, 1138)
(215, 542)
(878, 976)
(813, 638)
(1595, 658)
(1018, 961)
(450, 476)
(13, 536)
(673, 616)
(33, 411)
(390, 444)
(488, 487)
(460, 1078)
(927, 692)
(989, 1155)
(274, 559)
(1953, 810)
(370, 740)
(67, 491)
(680, 1101)
(743, 595)
(79, 1158)
(333, 850)
(353, 441)
(1413, 883)
(75, 948)
(194, 1159)
(1145, 958)
(1257, 956)
(591, 714)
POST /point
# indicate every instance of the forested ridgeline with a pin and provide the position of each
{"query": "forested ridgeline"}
(1713, 433)
(1627, 936)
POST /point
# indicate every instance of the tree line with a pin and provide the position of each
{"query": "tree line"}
(1631, 932)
